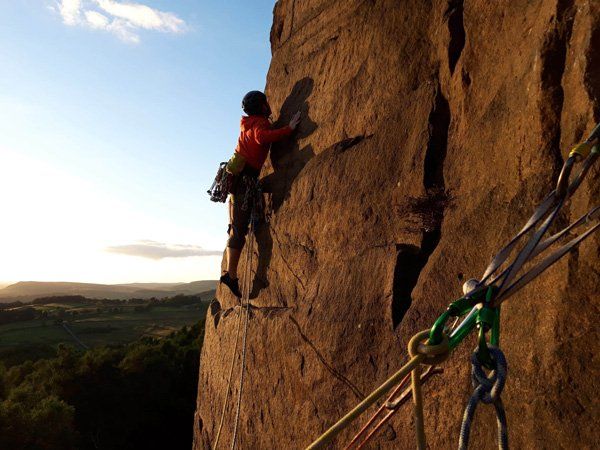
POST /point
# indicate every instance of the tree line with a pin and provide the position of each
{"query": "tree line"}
(22, 312)
(137, 396)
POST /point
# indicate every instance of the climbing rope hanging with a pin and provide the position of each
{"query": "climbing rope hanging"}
(228, 392)
(480, 308)
(253, 200)
(246, 306)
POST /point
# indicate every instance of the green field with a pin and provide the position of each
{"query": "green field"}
(93, 326)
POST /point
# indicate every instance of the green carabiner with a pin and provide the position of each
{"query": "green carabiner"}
(483, 353)
(488, 318)
(457, 308)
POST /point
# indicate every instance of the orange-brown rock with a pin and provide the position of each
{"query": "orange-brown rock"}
(430, 131)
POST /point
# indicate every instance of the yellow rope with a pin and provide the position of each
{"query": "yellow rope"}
(418, 402)
(420, 354)
(372, 398)
(415, 347)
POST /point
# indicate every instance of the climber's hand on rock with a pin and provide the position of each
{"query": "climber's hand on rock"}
(295, 120)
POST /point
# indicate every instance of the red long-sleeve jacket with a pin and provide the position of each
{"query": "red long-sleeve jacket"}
(255, 136)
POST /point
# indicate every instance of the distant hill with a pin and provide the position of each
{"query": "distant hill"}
(30, 290)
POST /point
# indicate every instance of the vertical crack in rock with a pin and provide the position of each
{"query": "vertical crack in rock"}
(439, 122)
(553, 59)
(279, 18)
(456, 27)
(410, 260)
(328, 366)
(409, 263)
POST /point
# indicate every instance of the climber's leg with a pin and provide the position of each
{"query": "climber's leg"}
(238, 228)
(232, 284)
(233, 259)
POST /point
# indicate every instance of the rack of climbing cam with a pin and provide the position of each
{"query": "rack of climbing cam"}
(479, 309)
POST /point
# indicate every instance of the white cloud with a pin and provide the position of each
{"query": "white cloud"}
(118, 27)
(143, 16)
(70, 11)
(158, 250)
(97, 20)
(123, 31)
(123, 19)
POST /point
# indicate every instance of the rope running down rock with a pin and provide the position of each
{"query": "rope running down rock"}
(252, 199)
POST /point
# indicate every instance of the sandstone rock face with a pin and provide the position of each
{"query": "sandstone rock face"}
(430, 131)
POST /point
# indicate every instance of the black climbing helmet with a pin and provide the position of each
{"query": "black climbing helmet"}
(253, 102)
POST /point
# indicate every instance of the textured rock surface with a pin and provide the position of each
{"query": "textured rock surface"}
(404, 101)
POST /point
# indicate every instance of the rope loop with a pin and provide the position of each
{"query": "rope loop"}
(487, 390)
(489, 387)
(432, 354)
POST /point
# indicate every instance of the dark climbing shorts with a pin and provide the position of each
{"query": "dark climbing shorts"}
(239, 219)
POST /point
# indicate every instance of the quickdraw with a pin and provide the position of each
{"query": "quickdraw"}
(221, 186)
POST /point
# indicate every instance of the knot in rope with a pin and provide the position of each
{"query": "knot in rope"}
(432, 354)
(487, 389)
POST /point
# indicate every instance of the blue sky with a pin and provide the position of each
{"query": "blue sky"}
(113, 117)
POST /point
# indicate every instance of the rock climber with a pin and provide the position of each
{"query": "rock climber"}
(254, 142)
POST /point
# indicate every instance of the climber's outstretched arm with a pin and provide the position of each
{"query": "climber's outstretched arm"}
(265, 135)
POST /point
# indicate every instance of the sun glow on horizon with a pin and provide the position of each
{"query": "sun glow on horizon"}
(59, 227)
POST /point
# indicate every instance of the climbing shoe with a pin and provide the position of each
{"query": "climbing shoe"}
(232, 284)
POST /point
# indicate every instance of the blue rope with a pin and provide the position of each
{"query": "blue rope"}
(488, 389)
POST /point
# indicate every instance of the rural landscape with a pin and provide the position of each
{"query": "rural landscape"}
(83, 372)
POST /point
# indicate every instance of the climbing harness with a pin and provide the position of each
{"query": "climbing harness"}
(252, 200)
(480, 308)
